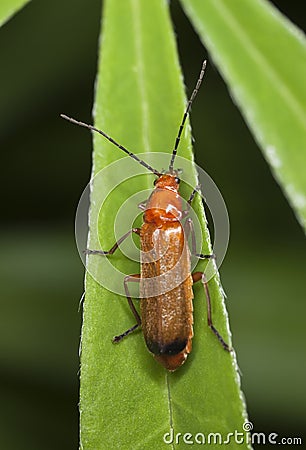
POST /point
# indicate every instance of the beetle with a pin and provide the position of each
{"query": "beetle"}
(165, 279)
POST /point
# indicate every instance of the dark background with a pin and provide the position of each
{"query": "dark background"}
(48, 54)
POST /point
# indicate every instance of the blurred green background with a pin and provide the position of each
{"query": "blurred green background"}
(48, 64)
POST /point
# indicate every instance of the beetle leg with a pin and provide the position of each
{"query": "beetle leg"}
(114, 247)
(197, 276)
(193, 193)
(118, 338)
(189, 201)
(201, 256)
(142, 205)
(189, 229)
(136, 279)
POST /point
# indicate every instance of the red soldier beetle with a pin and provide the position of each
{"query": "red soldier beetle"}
(166, 317)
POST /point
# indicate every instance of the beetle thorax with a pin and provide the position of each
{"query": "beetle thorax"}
(165, 203)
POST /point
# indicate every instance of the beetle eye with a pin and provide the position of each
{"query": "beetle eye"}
(155, 181)
(177, 180)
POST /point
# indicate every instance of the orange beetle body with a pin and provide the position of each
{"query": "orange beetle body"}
(166, 318)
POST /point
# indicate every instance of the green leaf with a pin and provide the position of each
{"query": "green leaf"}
(262, 57)
(127, 399)
(9, 7)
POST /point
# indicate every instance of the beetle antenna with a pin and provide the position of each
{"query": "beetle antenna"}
(194, 93)
(132, 155)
